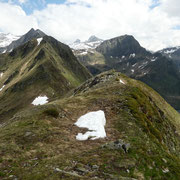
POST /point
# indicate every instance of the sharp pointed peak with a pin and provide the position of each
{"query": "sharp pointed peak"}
(93, 38)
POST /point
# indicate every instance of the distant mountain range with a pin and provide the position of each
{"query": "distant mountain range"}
(160, 70)
(6, 39)
(125, 55)
(172, 53)
(85, 46)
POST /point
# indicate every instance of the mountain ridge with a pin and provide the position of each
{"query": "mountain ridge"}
(22, 40)
(137, 118)
(126, 55)
(37, 69)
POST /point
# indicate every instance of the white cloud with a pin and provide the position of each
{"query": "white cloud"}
(22, 1)
(14, 19)
(153, 28)
(172, 7)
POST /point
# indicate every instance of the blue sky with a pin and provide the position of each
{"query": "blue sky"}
(30, 5)
(154, 23)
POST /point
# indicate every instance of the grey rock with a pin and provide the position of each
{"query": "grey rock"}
(66, 172)
(118, 144)
(82, 170)
(95, 167)
(28, 134)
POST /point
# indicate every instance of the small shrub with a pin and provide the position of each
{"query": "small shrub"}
(52, 112)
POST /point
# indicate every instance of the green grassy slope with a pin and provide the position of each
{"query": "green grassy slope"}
(31, 70)
(39, 143)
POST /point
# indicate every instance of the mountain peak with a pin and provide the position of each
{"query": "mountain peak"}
(31, 34)
(40, 32)
(77, 41)
(93, 38)
(31, 30)
(121, 46)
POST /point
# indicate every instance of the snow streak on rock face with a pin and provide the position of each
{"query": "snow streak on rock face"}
(39, 40)
(2, 88)
(40, 100)
(95, 122)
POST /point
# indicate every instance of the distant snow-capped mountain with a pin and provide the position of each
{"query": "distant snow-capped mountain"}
(171, 52)
(20, 40)
(91, 43)
(6, 39)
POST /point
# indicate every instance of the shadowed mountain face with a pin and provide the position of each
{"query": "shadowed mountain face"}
(125, 55)
(39, 67)
(23, 39)
(172, 53)
(142, 131)
(121, 46)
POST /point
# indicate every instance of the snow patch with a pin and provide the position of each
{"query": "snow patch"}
(123, 57)
(4, 51)
(132, 55)
(92, 52)
(95, 122)
(153, 59)
(121, 81)
(85, 45)
(132, 70)
(39, 41)
(170, 51)
(40, 100)
(1, 75)
(166, 170)
(145, 62)
(2, 88)
(83, 53)
(134, 65)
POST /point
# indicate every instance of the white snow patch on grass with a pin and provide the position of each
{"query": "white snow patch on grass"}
(39, 40)
(1, 75)
(121, 81)
(95, 122)
(166, 170)
(40, 100)
(2, 88)
(83, 53)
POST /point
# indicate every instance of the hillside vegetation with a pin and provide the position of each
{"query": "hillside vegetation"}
(40, 142)
(47, 67)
